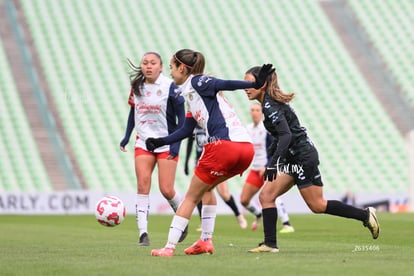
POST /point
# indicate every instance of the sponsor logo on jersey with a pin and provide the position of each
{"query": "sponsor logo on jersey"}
(144, 108)
(204, 79)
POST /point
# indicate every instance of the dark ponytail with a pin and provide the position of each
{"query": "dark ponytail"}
(137, 78)
(193, 61)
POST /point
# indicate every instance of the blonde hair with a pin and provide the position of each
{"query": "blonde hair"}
(272, 87)
(276, 93)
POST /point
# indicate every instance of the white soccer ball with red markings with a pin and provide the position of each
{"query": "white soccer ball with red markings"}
(110, 211)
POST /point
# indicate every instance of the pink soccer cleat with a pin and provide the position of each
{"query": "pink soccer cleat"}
(200, 247)
(163, 252)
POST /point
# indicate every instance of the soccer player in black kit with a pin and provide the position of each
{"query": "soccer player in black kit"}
(294, 161)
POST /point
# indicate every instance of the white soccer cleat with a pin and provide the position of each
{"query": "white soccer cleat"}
(242, 221)
(372, 222)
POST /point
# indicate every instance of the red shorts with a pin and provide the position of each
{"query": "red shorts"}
(223, 158)
(254, 178)
(158, 155)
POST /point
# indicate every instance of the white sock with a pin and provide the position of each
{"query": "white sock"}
(208, 219)
(177, 227)
(142, 210)
(175, 202)
(281, 211)
(253, 210)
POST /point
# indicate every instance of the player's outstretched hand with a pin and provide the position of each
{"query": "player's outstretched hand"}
(261, 77)
(153, 143)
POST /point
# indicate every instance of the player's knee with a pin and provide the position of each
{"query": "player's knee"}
(144, 184)
(266, 198)
(244, 201)
(143, 189)
(168, 193)
(317, 207)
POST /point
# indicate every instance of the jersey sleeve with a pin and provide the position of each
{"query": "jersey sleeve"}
(131, 99)
(270, 147)
(209, 86)
(232, 84)
(186, 130)
(284, 135)
(177, 103)
(204, 85)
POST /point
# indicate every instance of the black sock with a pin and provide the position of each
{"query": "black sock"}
(286, 223)
(337, 208)
(233, 206)
(269, 226)
(199, 207)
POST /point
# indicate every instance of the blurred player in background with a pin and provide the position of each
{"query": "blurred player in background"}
(155, 110)
(261, 141)
(200, 138)
(294, 160)
(228, 151)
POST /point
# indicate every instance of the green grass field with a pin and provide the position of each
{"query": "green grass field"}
(322, 244)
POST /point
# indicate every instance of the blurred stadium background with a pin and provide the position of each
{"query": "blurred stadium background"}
(64, 85)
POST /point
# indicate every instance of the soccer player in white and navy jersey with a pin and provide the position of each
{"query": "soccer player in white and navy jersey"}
(199, 137)
(261, 141)
(228, 151)
(155, 110)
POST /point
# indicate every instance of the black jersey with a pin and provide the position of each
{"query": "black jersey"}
(282, 123)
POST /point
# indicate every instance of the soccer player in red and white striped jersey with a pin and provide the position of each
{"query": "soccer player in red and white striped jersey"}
(155, 110)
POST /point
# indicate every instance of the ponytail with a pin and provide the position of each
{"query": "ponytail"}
(137, 78)
(193, 61)
(272, 86)
(276, 93)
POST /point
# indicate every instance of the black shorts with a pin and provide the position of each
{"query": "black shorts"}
(303, 166)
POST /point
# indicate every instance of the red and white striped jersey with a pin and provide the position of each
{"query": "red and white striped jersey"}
(155, 111)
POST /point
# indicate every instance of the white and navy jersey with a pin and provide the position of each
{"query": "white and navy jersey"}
(157, 111)
(211, 110)
(259, 136)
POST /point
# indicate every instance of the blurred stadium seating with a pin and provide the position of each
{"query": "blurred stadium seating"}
(389, 25)
(20, 166)
(83, 45)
